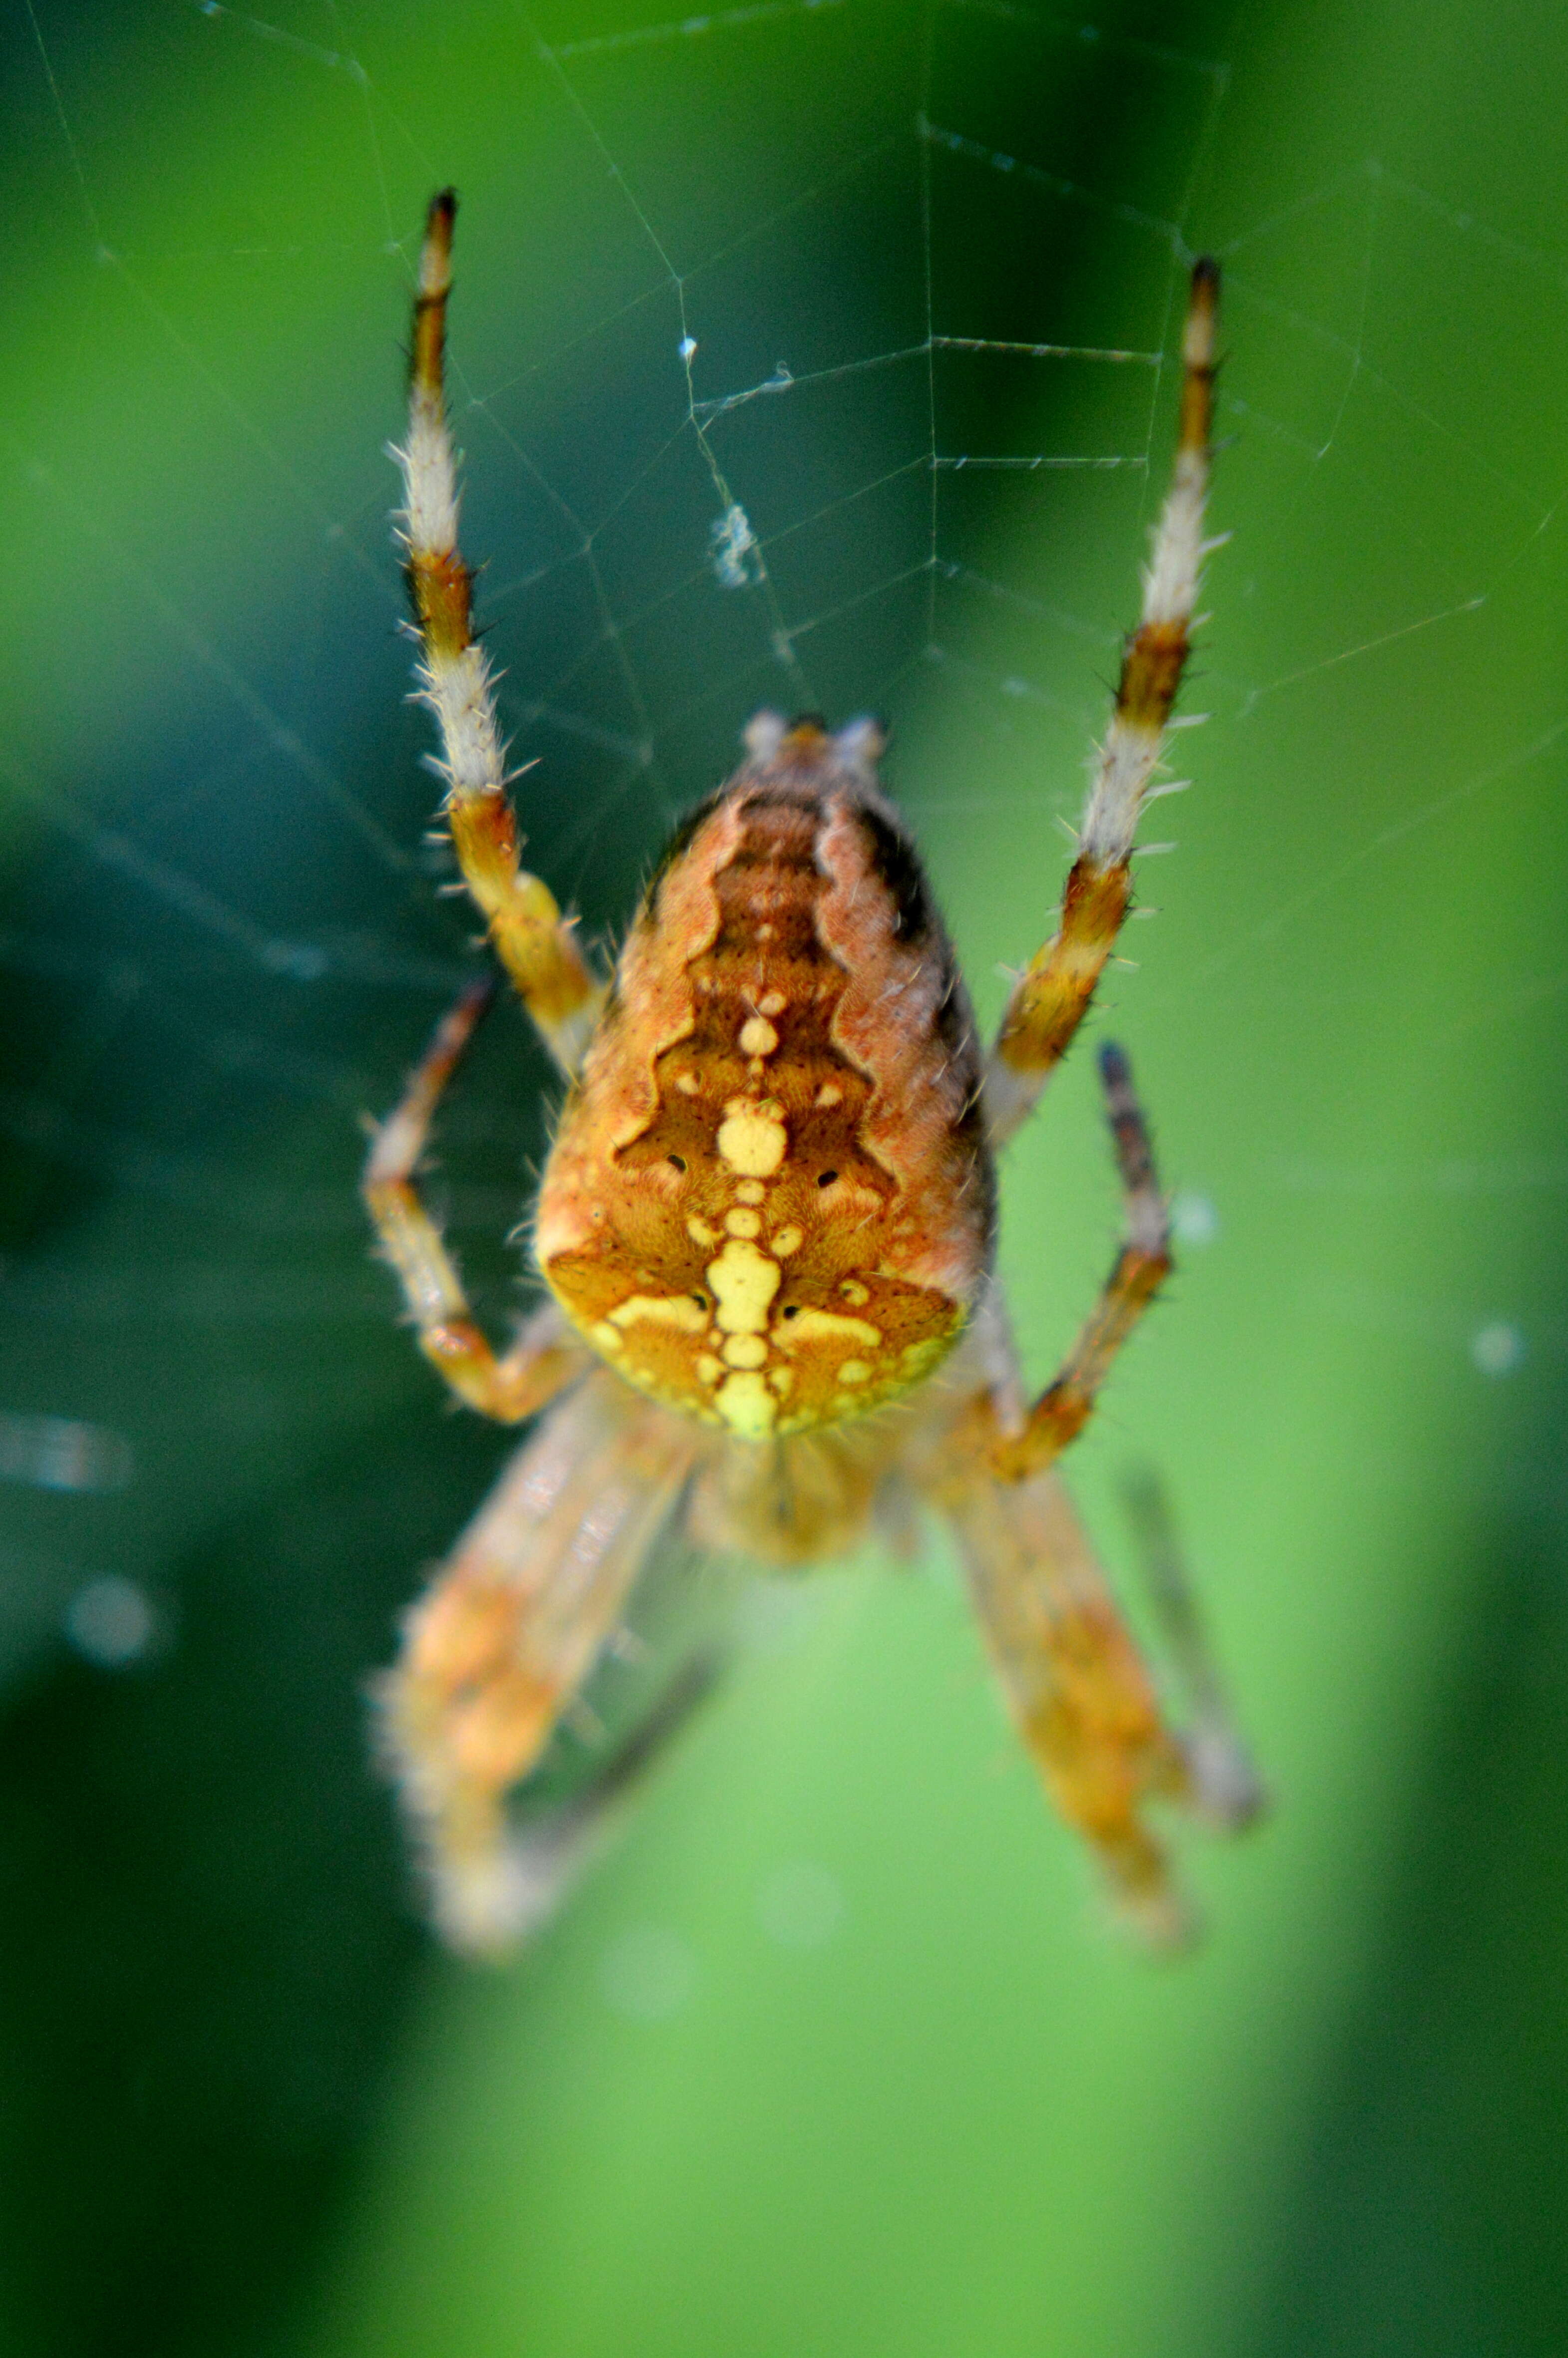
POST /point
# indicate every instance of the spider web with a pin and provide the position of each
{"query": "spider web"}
(802, 354)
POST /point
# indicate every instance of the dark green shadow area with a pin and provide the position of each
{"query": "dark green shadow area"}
(206, 1936)
(1428, 2216)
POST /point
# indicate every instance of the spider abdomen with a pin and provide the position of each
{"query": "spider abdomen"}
(770, 1200)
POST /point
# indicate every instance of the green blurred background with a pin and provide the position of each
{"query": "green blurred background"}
(833, 2052)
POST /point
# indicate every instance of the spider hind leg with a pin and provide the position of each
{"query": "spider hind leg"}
(536, 944)
(1053, 995)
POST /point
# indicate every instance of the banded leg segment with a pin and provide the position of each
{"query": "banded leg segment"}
(1053, 995)
(534, 943)
(511, 1628)
(1141, 1268)
(540, 1362)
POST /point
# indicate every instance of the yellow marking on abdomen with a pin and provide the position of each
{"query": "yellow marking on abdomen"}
(753, 1139)
(824, 1325)
(660, 1310)
(758, 1037)
(743, 1403)
(744, 1282)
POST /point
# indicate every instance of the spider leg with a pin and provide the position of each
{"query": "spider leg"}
(1078, 1689)
(502, 1639)
(1226, 1788)
(534, 943)
(1052, 996)
(539, 1363)
(545, 1857)
(1141, 1268)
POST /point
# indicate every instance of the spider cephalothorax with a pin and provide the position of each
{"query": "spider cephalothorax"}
(765, 1227)
(769, 1201)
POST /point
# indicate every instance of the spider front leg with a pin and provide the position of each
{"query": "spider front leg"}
(1053, 996)
(1141, 1268)
(1074, 1684)
(1225, 1787)
(534, 943)
(539, 1363)
(547, 1854)
(509, 1629)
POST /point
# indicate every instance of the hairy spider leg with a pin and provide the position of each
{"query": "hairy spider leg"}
(549, 1852)
(1053, 995)
(1140, 1269)
(502, 1639)
(1078, 1690)
(546, 1356)
(534, 941)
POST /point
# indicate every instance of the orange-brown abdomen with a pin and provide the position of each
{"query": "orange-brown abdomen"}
(770, 1201)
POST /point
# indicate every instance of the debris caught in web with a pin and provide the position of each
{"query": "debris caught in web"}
(737, 558)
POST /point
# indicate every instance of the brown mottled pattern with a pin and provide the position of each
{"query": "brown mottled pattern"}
(788, 971)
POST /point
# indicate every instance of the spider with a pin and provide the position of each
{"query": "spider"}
(766, 1227)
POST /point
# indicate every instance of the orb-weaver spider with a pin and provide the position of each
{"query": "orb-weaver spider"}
(766, 1227)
